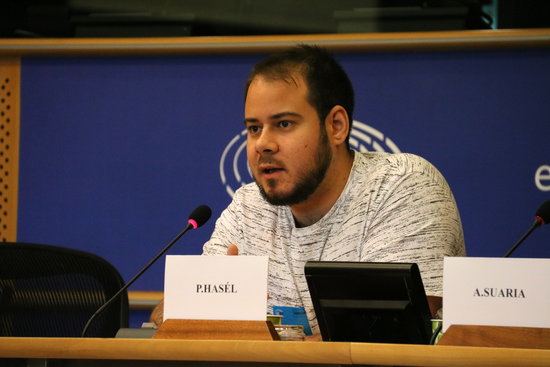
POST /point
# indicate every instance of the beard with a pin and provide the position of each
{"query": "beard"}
(308, 182)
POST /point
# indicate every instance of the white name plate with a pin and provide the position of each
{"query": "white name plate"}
(496, 292)
(215, 287)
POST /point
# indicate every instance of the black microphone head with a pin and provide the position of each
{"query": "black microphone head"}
(543, 213)
(199, 216)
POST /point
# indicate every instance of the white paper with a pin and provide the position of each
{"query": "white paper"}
(215, 287)
(496, 292)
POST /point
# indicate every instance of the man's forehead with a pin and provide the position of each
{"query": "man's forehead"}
(277, 103)
(294, 79)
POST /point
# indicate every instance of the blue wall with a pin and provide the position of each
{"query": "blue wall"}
(116, 152)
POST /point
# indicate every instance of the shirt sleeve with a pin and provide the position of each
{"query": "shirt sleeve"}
(416, 220)
(226, 231)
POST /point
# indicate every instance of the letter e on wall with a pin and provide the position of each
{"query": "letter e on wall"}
(542, 178)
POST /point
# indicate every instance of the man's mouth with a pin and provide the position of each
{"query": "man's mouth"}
(271, 170)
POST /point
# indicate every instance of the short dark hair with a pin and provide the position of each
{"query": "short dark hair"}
(327, 83)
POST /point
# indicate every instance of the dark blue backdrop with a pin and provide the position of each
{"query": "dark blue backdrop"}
(115, 152)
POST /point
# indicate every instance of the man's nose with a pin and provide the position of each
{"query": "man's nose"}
(266, 142)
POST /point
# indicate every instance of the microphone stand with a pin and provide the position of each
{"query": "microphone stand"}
(117, 294)
(534, 226)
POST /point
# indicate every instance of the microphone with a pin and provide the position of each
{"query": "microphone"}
(542, 216)
(198, 217)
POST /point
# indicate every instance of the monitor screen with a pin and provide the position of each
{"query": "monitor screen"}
(369, 302)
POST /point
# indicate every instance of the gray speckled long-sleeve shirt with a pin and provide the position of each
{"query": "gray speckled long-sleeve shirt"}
(394, 208)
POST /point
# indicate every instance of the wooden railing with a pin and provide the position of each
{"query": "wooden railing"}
(359, 42)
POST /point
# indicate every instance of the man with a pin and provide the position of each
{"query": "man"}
(315, 199)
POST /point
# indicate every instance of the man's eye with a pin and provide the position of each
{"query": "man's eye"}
(253, 129)
(285, 123)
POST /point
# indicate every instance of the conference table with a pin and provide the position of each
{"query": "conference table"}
(179, 352)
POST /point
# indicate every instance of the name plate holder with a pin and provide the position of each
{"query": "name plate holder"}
(496, 302)
(496, 336)
(216, 330)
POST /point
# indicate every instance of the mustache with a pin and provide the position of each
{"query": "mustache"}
(269, 160)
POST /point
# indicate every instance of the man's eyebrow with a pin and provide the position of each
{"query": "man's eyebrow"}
(284, 114)
(277, 116)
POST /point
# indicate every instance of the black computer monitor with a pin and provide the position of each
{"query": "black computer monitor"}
(369, 302)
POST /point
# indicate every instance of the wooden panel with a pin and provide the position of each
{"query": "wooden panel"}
(9, 146)
(144, 300)
(357, 42)
(497, 336)
(216, 330)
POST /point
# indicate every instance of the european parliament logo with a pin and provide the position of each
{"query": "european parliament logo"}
(234, 170)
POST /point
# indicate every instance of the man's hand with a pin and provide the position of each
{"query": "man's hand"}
(157, 314)
(232, 250)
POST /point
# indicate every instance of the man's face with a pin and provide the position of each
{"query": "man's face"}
(287, 150)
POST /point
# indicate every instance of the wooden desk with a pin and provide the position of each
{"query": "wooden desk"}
(169, 352)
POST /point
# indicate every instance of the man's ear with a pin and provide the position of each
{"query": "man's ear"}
(337, 124)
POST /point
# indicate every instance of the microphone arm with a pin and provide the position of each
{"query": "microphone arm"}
(536, 223)
(197, 218)
(117, 294)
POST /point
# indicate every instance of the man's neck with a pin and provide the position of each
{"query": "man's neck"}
(326, 195)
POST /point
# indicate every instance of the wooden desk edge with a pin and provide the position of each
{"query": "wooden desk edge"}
(437, 355)
(171, 349)
(269, 351)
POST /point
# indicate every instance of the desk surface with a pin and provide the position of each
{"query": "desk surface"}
(268, 352)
